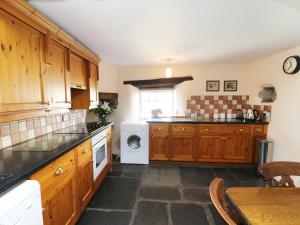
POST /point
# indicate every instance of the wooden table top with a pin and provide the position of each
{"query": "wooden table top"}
(266, 206)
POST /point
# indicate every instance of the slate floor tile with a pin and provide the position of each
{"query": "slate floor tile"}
(115, 173)
(160, 193)
(226, 174)
(245, 174)
(196, 194)
(116, 193)
(128, 167)
(216, 216)
(162, 176)
(104, 218)
(253, 183)
(196, 176)
(151, 213)
(188, 214)
(136, 174)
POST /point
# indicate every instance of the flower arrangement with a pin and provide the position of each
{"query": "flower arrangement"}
(105, 109)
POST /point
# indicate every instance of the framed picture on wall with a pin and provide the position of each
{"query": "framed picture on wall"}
(212, 85)
(230, 85)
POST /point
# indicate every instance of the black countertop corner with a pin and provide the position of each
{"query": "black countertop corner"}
(203, 121)
(20, 161)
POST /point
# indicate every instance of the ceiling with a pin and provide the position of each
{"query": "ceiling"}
(146, 32)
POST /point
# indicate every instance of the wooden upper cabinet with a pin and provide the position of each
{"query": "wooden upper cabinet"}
(93, 82)
(60, 76)
(78, 67)
(22, 69)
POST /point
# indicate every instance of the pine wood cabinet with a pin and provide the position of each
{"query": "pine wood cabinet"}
(93, 84)
(78, 67)
(224, 143)
(22, 68)
(85, 174)
(109, 145)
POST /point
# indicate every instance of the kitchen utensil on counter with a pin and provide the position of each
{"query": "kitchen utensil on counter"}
(239, 114)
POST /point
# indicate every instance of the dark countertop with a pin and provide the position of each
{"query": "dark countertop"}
(202, 121)
(23, 160)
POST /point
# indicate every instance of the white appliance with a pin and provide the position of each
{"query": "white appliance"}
(135, 142)
(22, 205)
(99, 153)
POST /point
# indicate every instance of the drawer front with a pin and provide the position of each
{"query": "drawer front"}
(224, 129)
(159, 129)
(258, 130)
(54, 176)
(182, 129)
(84, 153)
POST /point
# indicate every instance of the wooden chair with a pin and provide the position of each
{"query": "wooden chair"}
(280, 169)
(217, 194)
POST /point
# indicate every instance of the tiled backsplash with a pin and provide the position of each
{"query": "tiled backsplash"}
(207, 105)
(18, 131)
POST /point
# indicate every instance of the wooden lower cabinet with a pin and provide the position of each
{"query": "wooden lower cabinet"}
(182, 147)
(223, 143)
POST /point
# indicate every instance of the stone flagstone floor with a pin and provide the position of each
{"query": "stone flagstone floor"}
(161, 195)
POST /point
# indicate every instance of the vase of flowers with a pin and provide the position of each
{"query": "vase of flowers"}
(104, 110)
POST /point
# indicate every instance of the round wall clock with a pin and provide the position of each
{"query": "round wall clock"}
(291, 65)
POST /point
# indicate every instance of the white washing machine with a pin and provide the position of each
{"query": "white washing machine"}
(135, 142)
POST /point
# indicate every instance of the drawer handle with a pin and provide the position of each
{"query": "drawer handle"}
(206, 129)
(84, 151)
(183, 129)
(224, 138)
(159, 128)
(59, 171)
(241, 130)
(258, 129)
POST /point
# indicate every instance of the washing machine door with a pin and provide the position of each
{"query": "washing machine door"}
(134, 142)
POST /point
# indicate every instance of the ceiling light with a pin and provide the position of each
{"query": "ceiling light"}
(168, 71)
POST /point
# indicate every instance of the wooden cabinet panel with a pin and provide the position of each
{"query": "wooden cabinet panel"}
(62, 208)
(84, 174)
(159, 129)
(78, 72)
(109, 145)
(22, 66)
(209, 148)
(182, 147)
(59, 190)
(93, 81)
(159, 147)
(60, 80)
(180, 128)
(237, 148)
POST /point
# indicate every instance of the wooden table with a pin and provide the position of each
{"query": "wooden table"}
(266, 206)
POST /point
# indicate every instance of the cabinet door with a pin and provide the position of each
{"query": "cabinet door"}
(85, 174)
(183, 147)
(78, 72)
(61, 209)
(60, 81)
(209, 148)
(237, 148)
(109, 145)
(21, 66)
(159, 147)
(93, 85)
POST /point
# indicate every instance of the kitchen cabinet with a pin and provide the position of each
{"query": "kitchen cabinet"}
(223, 143)
(109, 145)
(60, 76)
(259, 132)
(78, 67)
(85, 173)
(22, 66)
(93, 84)
(159, 142)
(59, 191)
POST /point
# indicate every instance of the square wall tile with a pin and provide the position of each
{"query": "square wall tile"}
(22, 126)
(14, 127)
(37, 122)
(15, 138)
(30, 124)
(4, 129)
(31, 134)
(43, 121)
(6, 141)
(24, 135)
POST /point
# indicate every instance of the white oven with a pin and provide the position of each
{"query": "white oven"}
(99, 153)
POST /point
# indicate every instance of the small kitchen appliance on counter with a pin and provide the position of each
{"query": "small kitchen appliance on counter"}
(252, 115)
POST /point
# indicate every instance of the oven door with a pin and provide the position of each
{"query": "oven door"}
(99, 157)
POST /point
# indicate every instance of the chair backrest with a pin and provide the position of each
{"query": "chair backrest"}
(280, 169)
(217, 194)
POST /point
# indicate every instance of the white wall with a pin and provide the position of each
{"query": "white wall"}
(285, 125)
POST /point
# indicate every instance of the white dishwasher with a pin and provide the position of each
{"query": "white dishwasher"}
(22, 205)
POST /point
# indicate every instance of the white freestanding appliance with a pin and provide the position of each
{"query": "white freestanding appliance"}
(22, 205)
(135, 142)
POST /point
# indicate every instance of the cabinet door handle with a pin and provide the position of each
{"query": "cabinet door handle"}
(182, 129)
(84, 151)
(78, 85)
(159, 128)
(258, 129)
(206, 129)
(59, 171)
(224, 138)
(241, 130)
(172, 137)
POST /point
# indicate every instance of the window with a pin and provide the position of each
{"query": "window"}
(162, 99)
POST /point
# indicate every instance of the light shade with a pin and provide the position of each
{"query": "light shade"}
(168, 72)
